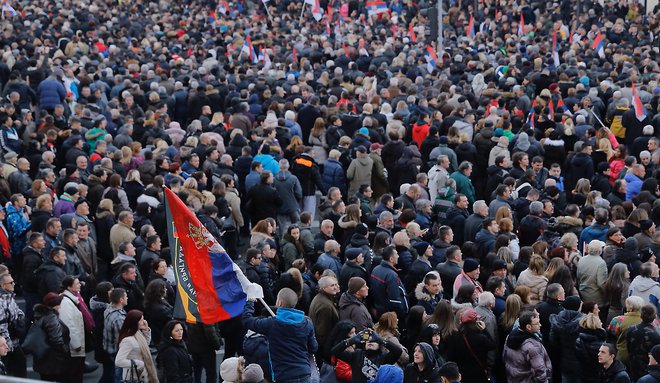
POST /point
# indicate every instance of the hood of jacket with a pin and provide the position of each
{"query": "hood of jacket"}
(422, 294)
(517, 338)
(346, 224)
(283, 175)
(359, 240)
(96, 304)
(644, 284)
(567, 321)
(364, 160)
(454, 211)
(571, 221)
(290, 316)
(348, 299)
(429, 355)
(493, 169)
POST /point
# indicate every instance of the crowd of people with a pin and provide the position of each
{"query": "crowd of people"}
(480, 210)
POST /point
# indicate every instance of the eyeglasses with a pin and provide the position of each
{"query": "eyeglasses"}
(10, 283)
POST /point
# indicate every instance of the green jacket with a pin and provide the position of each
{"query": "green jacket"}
(464, 186)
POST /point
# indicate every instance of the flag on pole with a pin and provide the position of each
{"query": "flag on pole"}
(470, 28)
(555, 49)
(411, 31)
(361, 46)
(210, 287)
(249, 49)
(343, 45)
(295, 55)
(531, 115)
(375, 7)
(551, 106)
(521, 25)
(223, 7)
(431, 58)
(8, 10)
(599, 45)
(563, 107)
(317, 11)
(640, 111)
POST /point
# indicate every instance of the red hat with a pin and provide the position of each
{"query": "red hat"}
(469, 315)
(376, 146)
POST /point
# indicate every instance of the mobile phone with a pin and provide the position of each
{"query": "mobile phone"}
(365, 336)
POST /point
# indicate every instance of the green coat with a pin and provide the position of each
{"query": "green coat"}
(379, 182)
(464, 186)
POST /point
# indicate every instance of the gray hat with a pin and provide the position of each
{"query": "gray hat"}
(10, 156)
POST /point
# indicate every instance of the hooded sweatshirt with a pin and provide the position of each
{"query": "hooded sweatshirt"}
(645, 288)
(430, 373)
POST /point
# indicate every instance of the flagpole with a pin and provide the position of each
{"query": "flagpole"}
(302, 13)
(266, 306)
(594, 114)
(440, 48)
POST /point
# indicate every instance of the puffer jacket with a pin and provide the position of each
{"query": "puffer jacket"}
(536, 283)
(306, 169)
(653, 375)
(57, 334)
(290, 191)
(71, 316)
(333, 175)
(525, 359)
(10, 314)
(564, 331)
(51, 93)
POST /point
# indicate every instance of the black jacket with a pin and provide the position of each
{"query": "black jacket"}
(586, 350)
(174, 359)
(564, 331)
(615, 374)
(49, 278)
(431, 371)
(157, 315)
(307, 170)
(133, 291)
(349, 270)
(56, 361)
(263, 201)
(358, 358)
(456, 220)
(31, 262)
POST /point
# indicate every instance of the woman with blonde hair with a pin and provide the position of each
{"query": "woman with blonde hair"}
(534, 278)
(591, 336)
(292, 149)
(195, 198)
(604, 151)
(579, 193)
(318, 141)
(127, 159)
(387, 328)
(506, 228)
(133, 187)
(569, 242)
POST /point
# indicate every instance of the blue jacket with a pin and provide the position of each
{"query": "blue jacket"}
(290, 337)
(485, 241)
(51, 93)
(269, 163)
(388, 291)
(329, 262)
(333, 175)
(595, 231)
(634, 185)
(294, 128)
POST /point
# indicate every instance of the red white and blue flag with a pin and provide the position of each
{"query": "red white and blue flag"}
(210, 287)
(8, 9)
(521, 25)
(531, 115)
(555, 49)
(563, 107)
(551, 106)
(411, 31)
(599, 45)
(223, 7)
(375, 7)
(640, 111)
(470, 28)
(249, 49)
(431, 58)
(317, 11)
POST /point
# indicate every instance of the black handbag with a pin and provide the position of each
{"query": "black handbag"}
(133, 375)
(36, 342)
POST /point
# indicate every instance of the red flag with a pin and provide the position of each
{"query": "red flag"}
(295, 55)
(411, 30)
(343, 45)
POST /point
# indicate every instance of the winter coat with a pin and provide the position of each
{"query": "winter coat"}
(351, 308)
(10, 316)
(618, 328)
(464, 186)
(425, 299)
(56, 361)
(255, 347)
(536, 283)
(645, 288)
(525, 359)
(158, 314)
(634, 185)
(333, 175)
(51, 93)
(387, 290)
(349, 270)
(640, 340)
(472, 364)
(595, 231)
(653, 375)
(289, 189)
(586, 350)
(129, 351)
(264, 201)
(289, 354)
(174, 359)
(419, 268)
(324, 316)
(498, 150)
(456, 220)
(530, 228)
(119, 233)
(379, 182)
(306, 169)
(71, 316)
(448, 271)
(564, 332)
(359, 173)
(49, 278)
(615, 374)
(591, 276)
(431, 371)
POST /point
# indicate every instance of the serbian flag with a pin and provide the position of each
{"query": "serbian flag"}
(248, 48)
(411, 31)
(470, 28)
(361, 46)
(555, 50)
(211, 288)
(640, 111)
(317, 11)
(295, 55)
(531, 115)
(563, 107)
(375, 7)
(431, 58)
(599, 45)
(223, 7)
(551, 106)
(8, 9)
(265, 58)
(521, 25)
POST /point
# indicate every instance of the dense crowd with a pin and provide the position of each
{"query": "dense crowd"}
(480, 210)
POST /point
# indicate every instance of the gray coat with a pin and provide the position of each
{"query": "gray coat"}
(289, 189)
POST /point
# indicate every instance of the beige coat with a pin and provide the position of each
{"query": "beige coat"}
(536, 283)
(234, 202)
(129, 349)
(119, 233)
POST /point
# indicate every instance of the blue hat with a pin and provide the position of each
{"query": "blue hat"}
(364, 131)
(389, 373)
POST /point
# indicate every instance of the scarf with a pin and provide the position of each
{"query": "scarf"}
(143, 341)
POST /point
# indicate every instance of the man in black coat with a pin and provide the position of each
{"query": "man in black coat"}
(582, 166)
(126, 278)
(51, 273)
(474, 221)
(601, 180)
(307, 115)
(263, 198)
(307, 170)
(354, 267)
(456, 217)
